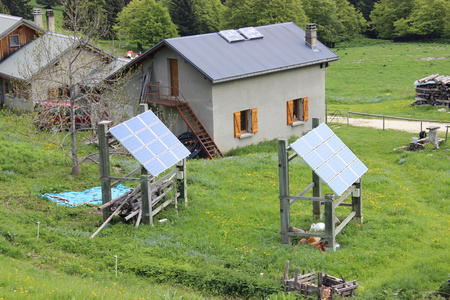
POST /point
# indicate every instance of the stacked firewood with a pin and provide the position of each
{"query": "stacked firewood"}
(433, 90)
(129, 205)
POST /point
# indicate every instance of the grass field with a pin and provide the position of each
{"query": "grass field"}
(380, 78)
(228, 235)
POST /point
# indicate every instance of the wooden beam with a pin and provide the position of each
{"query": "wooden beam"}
(305, 190)
(283, 169)
(345, 222)
(104, 165)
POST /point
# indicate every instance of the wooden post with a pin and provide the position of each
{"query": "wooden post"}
(330, 240)
(357, 201)
(283, 168)
(181, 181)
(146, 196)
(104, 165)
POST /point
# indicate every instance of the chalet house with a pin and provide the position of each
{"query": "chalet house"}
(36, 68)
(241, 86)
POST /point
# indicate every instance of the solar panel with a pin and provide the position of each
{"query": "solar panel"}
(231, 35)
(250, 33)
(150, 142)
(329, 158)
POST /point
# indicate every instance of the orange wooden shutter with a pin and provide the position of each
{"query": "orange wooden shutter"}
(237, 124)
(290, 112)
(14, 90)
(305, 109)
(254, 120)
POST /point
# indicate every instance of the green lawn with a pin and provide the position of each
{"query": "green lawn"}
(380, 78)
(228, 235)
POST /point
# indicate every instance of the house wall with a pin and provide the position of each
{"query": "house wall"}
(193, 87)
(26, 35)
(269, 94)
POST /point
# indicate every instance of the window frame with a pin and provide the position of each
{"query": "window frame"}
(245, 123)
(14, 45)
(297, 111)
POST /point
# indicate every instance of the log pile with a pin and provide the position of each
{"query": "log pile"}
(433, 90)
(326, 288)
(129, 205)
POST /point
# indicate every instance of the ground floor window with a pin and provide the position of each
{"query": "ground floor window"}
(297, 110)
(245, 121)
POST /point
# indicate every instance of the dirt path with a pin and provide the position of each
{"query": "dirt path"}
(409, 126)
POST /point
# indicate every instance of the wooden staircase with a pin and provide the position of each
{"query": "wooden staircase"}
(198, 129)
(155, 95)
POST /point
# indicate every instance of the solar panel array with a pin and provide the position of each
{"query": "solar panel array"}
(250, 33)
(329, 158)
(231, 35)
(150, 142)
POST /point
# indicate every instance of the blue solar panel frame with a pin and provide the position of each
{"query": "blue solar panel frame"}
(329, 158)
(150, 142)
(250, 33)
(231, 35)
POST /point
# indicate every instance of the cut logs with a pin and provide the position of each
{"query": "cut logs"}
(129, 205)
(433, 90)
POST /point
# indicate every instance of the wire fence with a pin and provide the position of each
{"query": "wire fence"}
(337, 115)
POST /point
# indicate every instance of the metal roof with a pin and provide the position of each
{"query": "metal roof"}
(47, 49)
(35, 56)
(282, 47)
(9, 23)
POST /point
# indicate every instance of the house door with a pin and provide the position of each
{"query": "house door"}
(173, 77)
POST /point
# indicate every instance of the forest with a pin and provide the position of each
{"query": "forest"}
(146, 22)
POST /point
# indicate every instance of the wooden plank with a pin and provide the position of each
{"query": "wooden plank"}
(343, 197)
(345, 222)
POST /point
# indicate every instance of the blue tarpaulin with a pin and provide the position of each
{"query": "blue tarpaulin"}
(91, 196)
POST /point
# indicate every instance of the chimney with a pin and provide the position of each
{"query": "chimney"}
(38, 17)
(50, 20)
(311, 36)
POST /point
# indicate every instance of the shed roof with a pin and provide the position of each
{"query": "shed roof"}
(9, 23)
(281, 47)
(45, 50)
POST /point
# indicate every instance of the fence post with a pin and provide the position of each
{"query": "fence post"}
(357, 201)
(330, 240)
(146, 194)
(348, 116)
(283, 169)
(104, 165)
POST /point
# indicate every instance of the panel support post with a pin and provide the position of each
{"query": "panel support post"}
(357, 201)
(104, 165)
(317, 189)
(181, 181)
(283, 166)
(147, 217)
(330, 240)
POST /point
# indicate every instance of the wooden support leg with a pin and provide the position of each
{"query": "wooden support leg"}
(330, 241)
(181, 182)
(357, 201)
(283, 166)
(146, 195)
(104, 165)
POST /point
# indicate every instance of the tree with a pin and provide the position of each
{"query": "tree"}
(3, 9)
(195, 16)
(145, 22)
(19, 8)
(386, 13)
(363, 6)
(336, 20)
(112, 9)
(76, 76)
(427, 19)
(243, 13)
